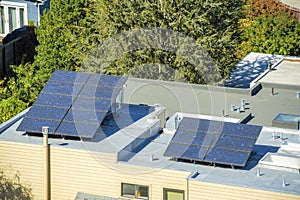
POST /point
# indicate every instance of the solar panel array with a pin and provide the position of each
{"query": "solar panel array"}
(73, 103)
(213, 141)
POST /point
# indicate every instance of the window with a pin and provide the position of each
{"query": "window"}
(12, 15)
(171, 194)
(22, 16)
(2, 18)
(135, 191)
(12, 18)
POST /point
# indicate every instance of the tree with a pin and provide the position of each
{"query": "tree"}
(12, 189)
(273, 35)
(269, 27)
(72, 28)
(257, 8)
(64, 35)
(212, 24)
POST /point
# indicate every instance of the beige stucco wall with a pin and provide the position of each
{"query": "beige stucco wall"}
(75, 171)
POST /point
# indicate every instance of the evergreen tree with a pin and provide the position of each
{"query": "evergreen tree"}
(212, 24)
(64, 36)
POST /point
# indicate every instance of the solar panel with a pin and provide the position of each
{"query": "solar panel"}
(84, 116)
(73, 103)
(201, 125)
(69, 77)
(61, 88)
(92, 91)
(92, 104)
(227, 157)
(213, 141)
(185, 151)
(241, 130)
(108, 81)
(77, 129)
(193, 138)
(54, 113)
(234, 143)
(34, 125)
(60, 101)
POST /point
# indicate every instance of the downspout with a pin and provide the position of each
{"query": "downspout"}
(187, 188)
(45, 130)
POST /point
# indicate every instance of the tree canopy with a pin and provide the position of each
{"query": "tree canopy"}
(271, 28)
(77, 33)
(212, 24)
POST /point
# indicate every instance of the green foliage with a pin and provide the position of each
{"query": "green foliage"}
(269, 27)
(10, 107)
(25, 86)
(12, 189)
(31, 23)
(63, 34)
(212, 24)
(273, 35)
(19, 92)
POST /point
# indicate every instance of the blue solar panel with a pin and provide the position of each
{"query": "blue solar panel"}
(44, 112)
(73, 103)
(218, 142)
(69, 77)
(62, 88)
(228, 157)
(193, 138)
(60, 101)
(84, 116)
(77, 129)
(34, 125)
(200, 125)
(192, 124)
(185, 151)
(106, 80)
(234, 143)
(241, 130)
(92, 91)
(91, 104)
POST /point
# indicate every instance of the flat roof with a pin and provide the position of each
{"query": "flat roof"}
(286, 73)
(249, 68)
(244, 177)
(195, 99)
(209, 100)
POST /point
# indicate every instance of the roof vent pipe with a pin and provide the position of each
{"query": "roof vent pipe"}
(269, 66)
(176, 121)
(232, 107)
(45, 130)
(283, 182)
(151, 157)
(258, 172)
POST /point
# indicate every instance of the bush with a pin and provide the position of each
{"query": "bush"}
(12, 189)
(10, 107)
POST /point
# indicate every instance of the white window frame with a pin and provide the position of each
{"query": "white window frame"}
(134, 196)
(17, 5)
